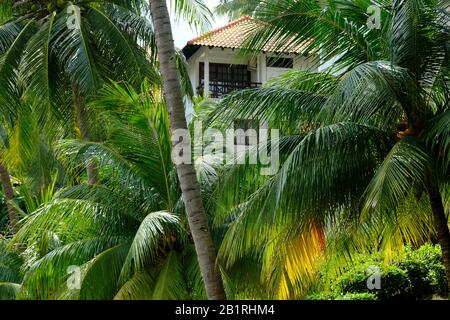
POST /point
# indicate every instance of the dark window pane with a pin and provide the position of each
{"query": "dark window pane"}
(276, 62)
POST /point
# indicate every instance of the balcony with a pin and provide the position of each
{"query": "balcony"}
(219, 88)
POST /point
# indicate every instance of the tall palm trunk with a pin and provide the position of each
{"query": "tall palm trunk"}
(441, 226)
(9, 194)
(83, 125)
(186, 172)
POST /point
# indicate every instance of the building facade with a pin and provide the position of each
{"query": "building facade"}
(217, 66)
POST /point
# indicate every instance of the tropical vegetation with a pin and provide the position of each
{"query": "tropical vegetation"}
(93, 207)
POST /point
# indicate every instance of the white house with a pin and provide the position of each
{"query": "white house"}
(216, 68)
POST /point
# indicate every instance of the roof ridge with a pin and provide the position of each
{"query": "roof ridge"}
(226, 26)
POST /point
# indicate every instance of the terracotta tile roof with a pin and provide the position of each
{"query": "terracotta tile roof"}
(233, 35)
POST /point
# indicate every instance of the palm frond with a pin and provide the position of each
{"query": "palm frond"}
(195, 12)
(47, 276)
(438, 138)
(8, 290)
(170, 284)
(101, 275)
(405, 169)
(9, 61)
(8, 32)
(145, 243)
(138, 27)
(288, 23)
(116, 45)
(72, 48)
(34, 67)
(139, 287)
(373, 93)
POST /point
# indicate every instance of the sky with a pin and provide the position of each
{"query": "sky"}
(182, 32)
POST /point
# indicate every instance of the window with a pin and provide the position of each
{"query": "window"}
(226, 72)
(225, 78)
(276, 62)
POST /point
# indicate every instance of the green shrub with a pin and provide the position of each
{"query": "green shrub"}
(394, 281)
(358, 296)
(416, 274)
(425, 271)
(347, 296)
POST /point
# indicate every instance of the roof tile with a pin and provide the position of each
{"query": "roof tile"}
(234, 34)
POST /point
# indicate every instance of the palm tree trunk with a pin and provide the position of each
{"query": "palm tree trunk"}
(9, 194)
(186, 172)
(441, 226)
(83, 125)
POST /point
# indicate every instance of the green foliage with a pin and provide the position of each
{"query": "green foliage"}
(10, 272)
(358, 149)
(347, 296)
(125, 234)
(3, 212)
(394, 281)
(360, 141)
(412, 274)
(425, 271)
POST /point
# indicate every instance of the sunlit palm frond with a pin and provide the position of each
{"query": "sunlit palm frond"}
(195, 12)
(48, 275)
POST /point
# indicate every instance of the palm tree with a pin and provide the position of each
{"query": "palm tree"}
(62, 53)
(237, 8)
(186, 172)
(365, 143)
(127, 233)
(103, 44)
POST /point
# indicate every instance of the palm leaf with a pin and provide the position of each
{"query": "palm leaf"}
(170, 284)
(146, 242)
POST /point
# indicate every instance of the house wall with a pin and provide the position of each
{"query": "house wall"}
(258, 66)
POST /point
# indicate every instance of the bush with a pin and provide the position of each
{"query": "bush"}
(358, 296)
(347, 296)
(416, 274)
(394, 282)
(425, 271)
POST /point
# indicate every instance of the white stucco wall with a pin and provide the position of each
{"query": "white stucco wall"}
(259, 70)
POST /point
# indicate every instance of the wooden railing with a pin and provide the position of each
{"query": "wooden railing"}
(219, 88)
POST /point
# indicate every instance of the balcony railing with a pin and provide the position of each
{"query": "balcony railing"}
(219, 88)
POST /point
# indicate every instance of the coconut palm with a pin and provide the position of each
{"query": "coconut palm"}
(237, 8)
(62, 52)
(363, 141)
(81, 44)
(186, 172)
(127, 233)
